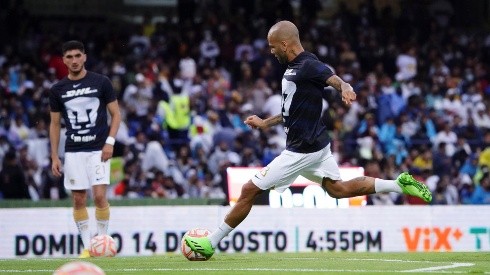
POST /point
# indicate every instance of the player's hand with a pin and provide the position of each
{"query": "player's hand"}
(107, 152)
(56, 167)
(348, 94)
(254, 122)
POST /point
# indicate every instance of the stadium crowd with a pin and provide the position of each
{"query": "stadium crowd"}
(185, 87)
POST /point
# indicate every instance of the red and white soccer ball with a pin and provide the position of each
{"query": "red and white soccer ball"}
(103, 246)
(186, 250)
(79, 268)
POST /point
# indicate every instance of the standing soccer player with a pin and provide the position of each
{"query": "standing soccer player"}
(307, 150)
(82, 100)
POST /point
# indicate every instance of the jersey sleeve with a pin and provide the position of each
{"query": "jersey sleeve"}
(319, 71)
(109, 95)
(54, 101)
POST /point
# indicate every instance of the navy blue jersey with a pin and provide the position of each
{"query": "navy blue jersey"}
(83, 106)
(302, 87)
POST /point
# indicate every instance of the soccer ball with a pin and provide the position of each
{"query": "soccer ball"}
(79, 268)
(186, 250)
(102, 246)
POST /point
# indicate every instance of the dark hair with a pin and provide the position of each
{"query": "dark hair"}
(72, 45)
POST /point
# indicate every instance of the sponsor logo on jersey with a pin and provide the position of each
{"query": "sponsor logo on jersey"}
(289, 72)
(78, 92)
(83, 138)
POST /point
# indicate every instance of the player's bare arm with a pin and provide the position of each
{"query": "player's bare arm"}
(256, 122)
(54, 138)
(113, 109)
(345, 89)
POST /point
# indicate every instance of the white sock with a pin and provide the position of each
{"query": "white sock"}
(219, 234)
(383, 186)
(102, 226)
(84, 231)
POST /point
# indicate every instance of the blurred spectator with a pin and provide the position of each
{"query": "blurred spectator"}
(13, 183)
(51, 186)
(481, 195)
(156, 187)
(481, 117)
(220, 157)
(272, 106)
(484, 160)
(256, 99)
(201, 135)
(448, 138)
(445, 192)
(211, 188)
(137, 99)
(19, 129)
(407, 64)
(209, 50)
(40, 130)
(133, 184)
(462, 151)
(154, 157)
(31, 171)
(5, 147)
(187, 65)
(442, 11)
(172, 189)
(470, 166)
(195, 186)
(177, 115)
(441, 162)
(424, 160)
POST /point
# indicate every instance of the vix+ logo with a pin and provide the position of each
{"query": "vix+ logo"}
(431, 238)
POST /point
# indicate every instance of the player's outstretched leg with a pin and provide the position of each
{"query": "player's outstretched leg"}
(205, 245)
(201, 245)
(411, 186)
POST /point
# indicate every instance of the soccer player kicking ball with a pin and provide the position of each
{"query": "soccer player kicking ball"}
(82, 99)
(307, 150)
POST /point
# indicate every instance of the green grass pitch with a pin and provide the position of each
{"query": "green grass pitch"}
(273, 263)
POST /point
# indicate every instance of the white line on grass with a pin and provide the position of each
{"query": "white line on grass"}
(368, 259)
(361, 259)
(295, 270)
(439, 269)
(434, 268)
(426, 269)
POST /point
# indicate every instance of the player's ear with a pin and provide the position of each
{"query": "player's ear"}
(284, 45)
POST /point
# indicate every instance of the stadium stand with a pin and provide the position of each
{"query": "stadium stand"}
(420, 70)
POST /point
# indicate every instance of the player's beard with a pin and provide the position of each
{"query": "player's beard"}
(282, 58)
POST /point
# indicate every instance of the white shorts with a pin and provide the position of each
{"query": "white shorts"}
(286, 167)
(82, 170)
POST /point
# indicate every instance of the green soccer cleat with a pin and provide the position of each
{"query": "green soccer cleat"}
(201, 245)
(411, 186)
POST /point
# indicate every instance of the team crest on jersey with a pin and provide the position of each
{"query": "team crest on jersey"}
(264, 171)
(77, 92)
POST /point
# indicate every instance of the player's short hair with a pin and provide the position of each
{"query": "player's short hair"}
(72, 45)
